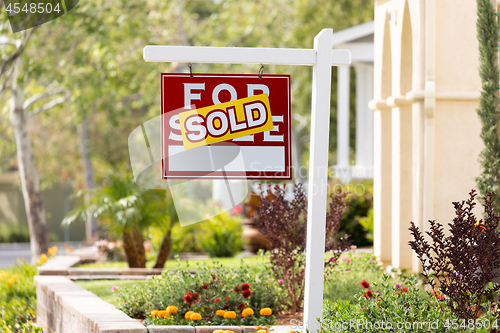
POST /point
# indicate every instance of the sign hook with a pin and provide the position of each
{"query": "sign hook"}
(190, 69)
(261, 71)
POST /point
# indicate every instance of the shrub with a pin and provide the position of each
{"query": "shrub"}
(464, 263)
(284, 224)
(17, 298)
(186, 239)
(212, 288)
(401, 307)
(14, 233)
(222, 236)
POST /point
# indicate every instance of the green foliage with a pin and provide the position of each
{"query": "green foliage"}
(221, 235)
(186, 239)
(211, 282)
(396, 305)
(17, 298)
(488, 111)
(13, 233)
(343, 281)
(357, 221)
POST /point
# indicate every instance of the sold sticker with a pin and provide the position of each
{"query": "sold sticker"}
(225, 121)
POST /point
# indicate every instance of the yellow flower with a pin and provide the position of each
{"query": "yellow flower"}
(163, 314)
(261, 331)
(172, 309)
(52, 250)
(3, 275)
(195, 316)
(154, 313)
(247, 313)
(230, 315)
(188, 314)
(291, 332)
(266, 312)
(228, 331)
(43, 259)
(259, 328)
(12, 279)
(220, 313)
(218, 331)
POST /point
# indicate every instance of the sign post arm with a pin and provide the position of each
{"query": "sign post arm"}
(318, 177)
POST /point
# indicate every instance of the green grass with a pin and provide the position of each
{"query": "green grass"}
(253, 262)
(102, 288)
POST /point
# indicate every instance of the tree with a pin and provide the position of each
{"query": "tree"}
(488, 111)
(12, 51)
(35, 211)
(126, 211)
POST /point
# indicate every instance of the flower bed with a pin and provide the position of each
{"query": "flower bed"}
(214, 296)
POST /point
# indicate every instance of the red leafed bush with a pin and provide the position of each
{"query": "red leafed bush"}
(464, 263)
(284, 224)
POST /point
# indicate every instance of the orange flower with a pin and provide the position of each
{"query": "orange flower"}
(43, 259)
(188, 314)
(172, 309)
(195, 316)
(266, 312)
(247, 313)
(52, 250)
(229, 315)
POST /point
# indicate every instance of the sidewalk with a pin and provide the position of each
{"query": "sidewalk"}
(10, 252)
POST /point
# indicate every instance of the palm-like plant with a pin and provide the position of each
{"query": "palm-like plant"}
(126, 210)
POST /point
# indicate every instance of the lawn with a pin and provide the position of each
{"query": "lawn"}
(253, 262)
(103, 288)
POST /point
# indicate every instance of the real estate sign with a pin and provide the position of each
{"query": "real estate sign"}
(205, 117)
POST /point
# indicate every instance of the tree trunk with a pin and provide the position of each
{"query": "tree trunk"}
(129, 248)
(139, 246)
(88, 177)
(165, 248)
(35, 211)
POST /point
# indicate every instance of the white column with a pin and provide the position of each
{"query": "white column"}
(318, 178)
(343, 92)
(364, 121)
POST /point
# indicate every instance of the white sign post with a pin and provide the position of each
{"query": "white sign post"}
(322, 58)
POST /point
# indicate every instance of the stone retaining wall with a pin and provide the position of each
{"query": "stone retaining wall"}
(65, 307)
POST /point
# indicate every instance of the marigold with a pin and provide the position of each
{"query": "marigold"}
(226, 331)
(163, 314)
(266, 312)
(229, 315)
(154, 313)
(218, 331)
(220, 313)
(188, 314)
(195, 316)
(247, 313)
(172, 309)
(261, 331)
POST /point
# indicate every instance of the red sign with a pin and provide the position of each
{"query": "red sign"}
(265, 155)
